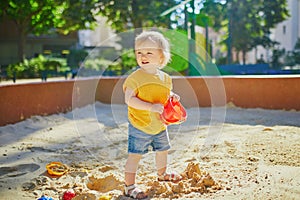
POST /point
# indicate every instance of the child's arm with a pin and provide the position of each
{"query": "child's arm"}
(133, 101)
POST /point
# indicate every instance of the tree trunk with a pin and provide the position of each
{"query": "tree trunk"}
(255, 50)
(244, 57)
(21, 43)
(137, 22)
(237, 56)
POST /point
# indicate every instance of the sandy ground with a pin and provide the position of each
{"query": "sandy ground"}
(223, 153)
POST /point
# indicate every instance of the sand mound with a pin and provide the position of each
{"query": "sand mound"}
(194, 180)
(105, 184)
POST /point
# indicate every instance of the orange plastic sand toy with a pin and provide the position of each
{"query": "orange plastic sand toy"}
(56, 168)
(174, 112)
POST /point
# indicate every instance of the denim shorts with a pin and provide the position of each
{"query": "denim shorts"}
(139, 142)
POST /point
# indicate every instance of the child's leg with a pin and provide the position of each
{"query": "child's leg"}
(161, 161)
(161, 164)
(130, 171)
(131, 168)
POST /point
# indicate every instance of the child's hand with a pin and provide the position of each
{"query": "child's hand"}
(175, 96)
(157, 108)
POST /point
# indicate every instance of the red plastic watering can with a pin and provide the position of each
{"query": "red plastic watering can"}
(174, 112)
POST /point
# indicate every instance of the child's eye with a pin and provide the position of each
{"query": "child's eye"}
(149, 53)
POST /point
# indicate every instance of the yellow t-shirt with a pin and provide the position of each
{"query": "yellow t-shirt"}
(149, 88)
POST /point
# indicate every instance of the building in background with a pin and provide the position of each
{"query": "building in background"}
(102, 42)
(285, 33)
(288, 32)
(103, 35)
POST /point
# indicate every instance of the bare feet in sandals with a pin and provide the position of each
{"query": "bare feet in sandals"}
(173, 177)
(134, 192)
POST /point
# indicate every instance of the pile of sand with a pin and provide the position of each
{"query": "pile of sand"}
(194, 180)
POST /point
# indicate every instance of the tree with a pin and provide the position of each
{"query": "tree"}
(125, 15)
(46, 16)
(248, 23)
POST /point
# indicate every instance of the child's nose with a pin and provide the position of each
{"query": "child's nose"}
(144, 56)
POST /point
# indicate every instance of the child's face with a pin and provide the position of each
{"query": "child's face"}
(148, 56)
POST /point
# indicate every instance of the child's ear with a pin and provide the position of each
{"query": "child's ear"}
(161, 60)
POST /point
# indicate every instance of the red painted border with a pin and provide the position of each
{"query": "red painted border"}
(21, 101)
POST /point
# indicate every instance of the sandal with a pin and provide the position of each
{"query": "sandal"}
(173, 177)
(133, 192)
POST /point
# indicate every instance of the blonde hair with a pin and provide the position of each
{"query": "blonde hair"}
(160, 40)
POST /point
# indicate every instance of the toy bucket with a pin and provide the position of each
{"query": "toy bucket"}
(174, 112)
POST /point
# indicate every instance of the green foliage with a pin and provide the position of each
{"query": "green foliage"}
(93, 67)
(216, 13)
(203, 20)
(28, 14)
(40, 16)
(77, 15)
(27, 68)
(34, 67)
(124, 15)
(128, 60)
(47, 17)
(98, 64)
(124, 64)
(52, 65)
(57, 64)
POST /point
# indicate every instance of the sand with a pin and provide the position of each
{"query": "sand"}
(222, 153)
